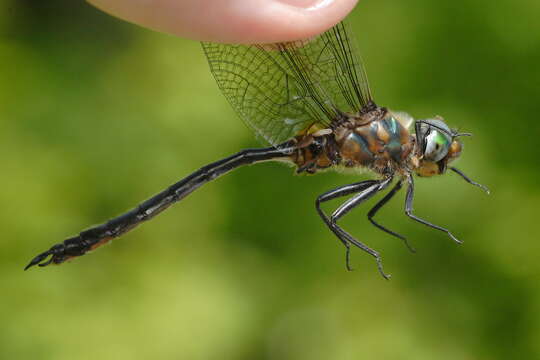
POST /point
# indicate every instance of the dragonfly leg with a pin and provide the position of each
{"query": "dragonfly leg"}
(469, 180)
(409, 210)
(378, 206)
(366, 189)
(334, 194)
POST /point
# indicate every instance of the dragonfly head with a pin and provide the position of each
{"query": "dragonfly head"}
(437, 145)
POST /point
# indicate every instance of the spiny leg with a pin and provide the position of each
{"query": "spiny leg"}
(334, 194)
(378, 206)
(342, 233)
(469, 180)
(357, 199)
(350, 204)
(409, 210)
(367, 190)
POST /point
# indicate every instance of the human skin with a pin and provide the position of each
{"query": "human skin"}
(232, 21)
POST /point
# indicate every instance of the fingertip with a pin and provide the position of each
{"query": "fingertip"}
(264, 21)
(232, 21)
(314, 20)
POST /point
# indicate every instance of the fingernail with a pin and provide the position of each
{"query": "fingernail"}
(308, 4)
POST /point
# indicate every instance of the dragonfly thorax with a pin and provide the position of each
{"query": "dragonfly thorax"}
(382, 144)
(376, 140)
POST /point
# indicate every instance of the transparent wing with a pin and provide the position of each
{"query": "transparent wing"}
(282, 89)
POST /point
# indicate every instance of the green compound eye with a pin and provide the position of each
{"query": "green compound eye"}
(437, 145)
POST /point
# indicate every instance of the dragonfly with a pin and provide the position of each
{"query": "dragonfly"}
(310, 101)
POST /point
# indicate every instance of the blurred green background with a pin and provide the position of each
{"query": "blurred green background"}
(97, 114)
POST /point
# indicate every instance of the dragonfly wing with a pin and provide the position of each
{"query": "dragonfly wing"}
(282, 89)
(336, 62)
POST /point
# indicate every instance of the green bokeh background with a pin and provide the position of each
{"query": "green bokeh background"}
(97, 114)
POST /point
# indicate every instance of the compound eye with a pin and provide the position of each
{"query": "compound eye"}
(437, 145)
